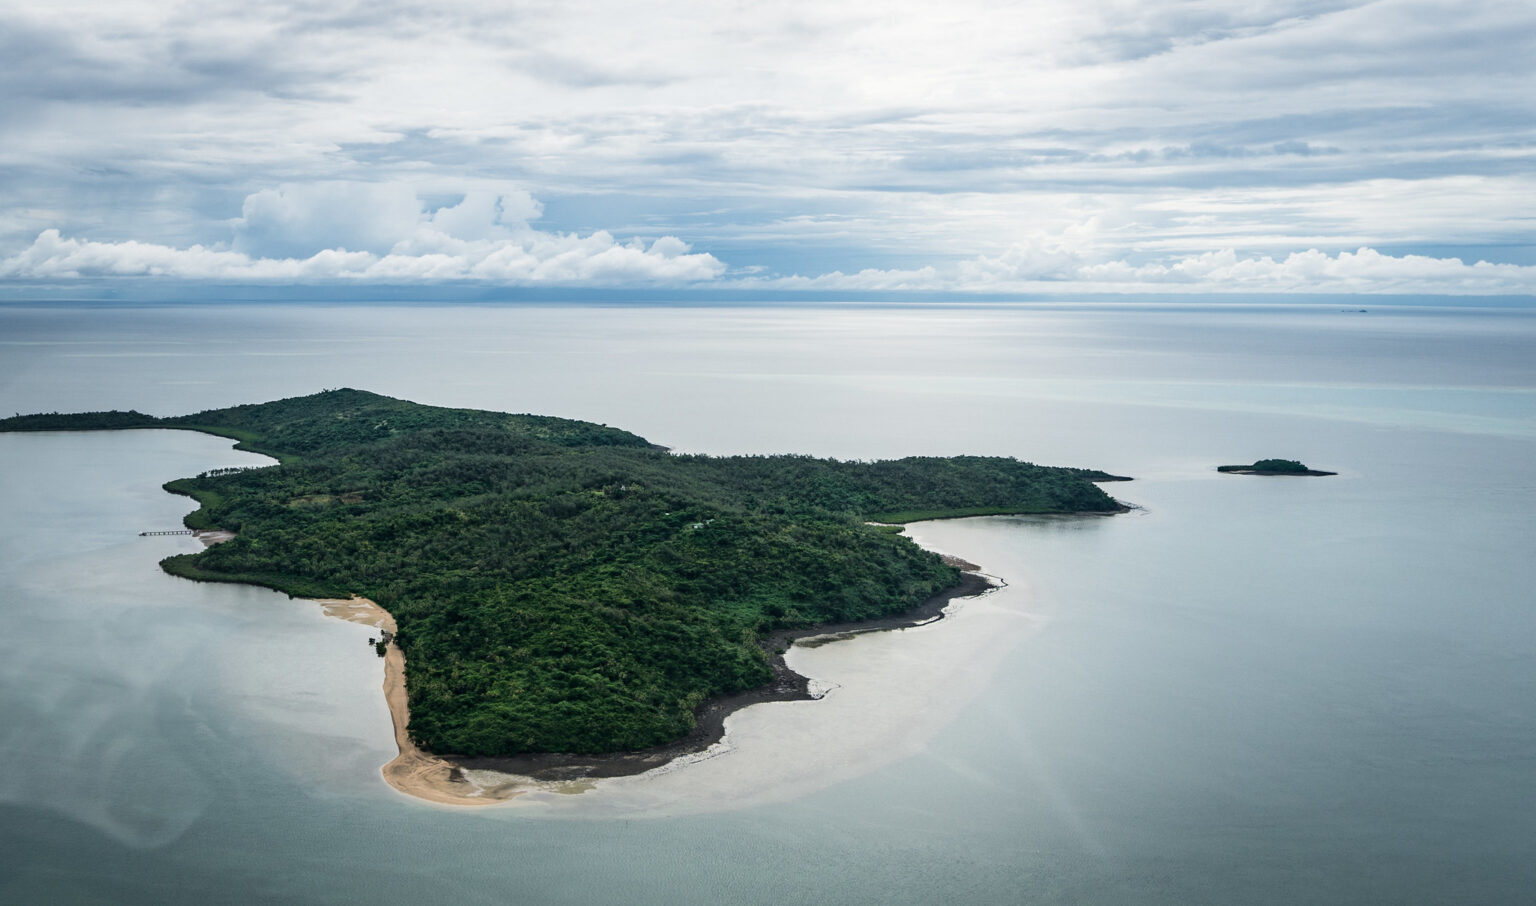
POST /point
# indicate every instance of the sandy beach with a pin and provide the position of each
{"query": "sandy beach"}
(455, 780)
(413, 772)
(461, 780)
(467, 781)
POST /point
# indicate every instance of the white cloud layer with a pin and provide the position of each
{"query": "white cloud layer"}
(1032, 269)
(386, 236)
(538, 259)
(1364, 270)
(533, 258)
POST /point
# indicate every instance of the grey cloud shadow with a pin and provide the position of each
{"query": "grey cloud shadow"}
(570, 72)
(1132, 39)
(45, 66)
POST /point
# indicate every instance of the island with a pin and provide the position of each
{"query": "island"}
(1273, 467)
(569, 596)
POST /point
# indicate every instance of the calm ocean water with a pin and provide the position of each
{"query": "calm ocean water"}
(1249, 691)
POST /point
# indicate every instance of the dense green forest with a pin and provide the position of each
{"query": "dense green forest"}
(566, 586)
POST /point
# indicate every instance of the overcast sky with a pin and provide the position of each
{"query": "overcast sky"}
(963, 146)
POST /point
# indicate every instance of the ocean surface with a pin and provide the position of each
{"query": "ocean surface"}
(1249, 690)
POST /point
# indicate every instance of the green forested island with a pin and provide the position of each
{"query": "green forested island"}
(563, 586)
(1273, 467)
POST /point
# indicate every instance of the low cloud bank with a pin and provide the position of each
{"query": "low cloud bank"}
(387, 234)
(1023, 269)
(559, 259)
(1363, 270)
(381, 234)
(536, 259)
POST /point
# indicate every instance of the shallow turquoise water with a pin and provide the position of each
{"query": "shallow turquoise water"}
(1252, 690)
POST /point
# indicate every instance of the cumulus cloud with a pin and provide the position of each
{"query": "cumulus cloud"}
(298, 221)
(378, 234)
(486, 215)
(536, 259)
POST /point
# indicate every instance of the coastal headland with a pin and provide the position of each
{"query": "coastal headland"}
(573, 600)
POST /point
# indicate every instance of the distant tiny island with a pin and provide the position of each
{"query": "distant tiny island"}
(1273, 467)
(559, 586)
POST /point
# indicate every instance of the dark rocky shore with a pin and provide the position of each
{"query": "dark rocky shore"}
(709, 728)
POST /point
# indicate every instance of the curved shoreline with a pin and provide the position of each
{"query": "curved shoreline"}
(412, 771)
(709, 726)
(443, 779)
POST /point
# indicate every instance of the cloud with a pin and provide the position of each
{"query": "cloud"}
(378, 234)
(56, 60)
(486, 215)
(1035, 267)
(401, 234)
(866, 144)
(869, 279)
(298, 221)
(537, 259)
(1364, 270)
(502, 250)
